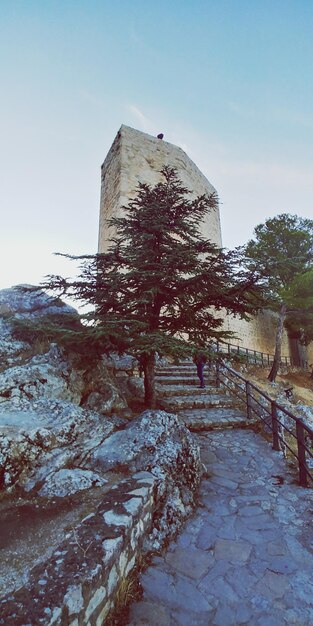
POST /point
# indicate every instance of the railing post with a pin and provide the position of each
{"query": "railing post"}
(262, 359)
(268, 359)
(276, 444)
(254, 356)
(303, 474)
(248, 400)
(218, 380)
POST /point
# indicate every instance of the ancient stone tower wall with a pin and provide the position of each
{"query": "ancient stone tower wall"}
(258, 333)
(137, 157)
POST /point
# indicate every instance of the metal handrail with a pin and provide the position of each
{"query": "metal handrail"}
(263, 358)
(301, 432)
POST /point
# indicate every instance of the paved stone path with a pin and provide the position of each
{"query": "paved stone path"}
(246, 555)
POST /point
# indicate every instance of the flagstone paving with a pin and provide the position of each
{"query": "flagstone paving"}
(246, 554)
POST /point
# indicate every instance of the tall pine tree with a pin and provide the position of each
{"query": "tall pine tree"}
(282, 250)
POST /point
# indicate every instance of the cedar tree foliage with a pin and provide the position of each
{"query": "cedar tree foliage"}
(282, 250)
(161, 284)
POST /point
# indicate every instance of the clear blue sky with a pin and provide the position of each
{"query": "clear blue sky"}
(230, 81)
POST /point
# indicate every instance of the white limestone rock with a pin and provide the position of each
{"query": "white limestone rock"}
(45, 437)
(10, 348)
(306, 413)
(136, 386)
(105, 400)
(120, 362)
(104, 395)
(31, 302)
(156, 442)
(22, 302)
(30, 382)
(66, 482)
(42, 426)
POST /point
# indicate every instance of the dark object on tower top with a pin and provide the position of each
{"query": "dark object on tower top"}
(160, 136)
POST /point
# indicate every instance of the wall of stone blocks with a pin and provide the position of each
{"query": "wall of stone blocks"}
(256, 334)
(138, 157)
(78, 585)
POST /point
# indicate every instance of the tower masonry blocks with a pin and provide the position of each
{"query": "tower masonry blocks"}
(137, 157)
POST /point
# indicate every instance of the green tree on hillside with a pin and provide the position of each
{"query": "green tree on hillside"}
(161, 285)
(282, 250)
(299, 299)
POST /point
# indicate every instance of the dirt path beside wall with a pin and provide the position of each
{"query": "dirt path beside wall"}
(299, 380)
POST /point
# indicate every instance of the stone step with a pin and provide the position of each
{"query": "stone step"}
(174, 372)
(171, 371)
(179, 380)
(182, 390)
(214, 418)
(179, 403)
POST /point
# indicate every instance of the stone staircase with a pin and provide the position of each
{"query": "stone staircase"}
(200, 409)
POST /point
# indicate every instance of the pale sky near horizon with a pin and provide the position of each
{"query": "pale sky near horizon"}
(230, 81)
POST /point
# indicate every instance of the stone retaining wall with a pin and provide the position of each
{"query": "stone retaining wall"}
(79, 583)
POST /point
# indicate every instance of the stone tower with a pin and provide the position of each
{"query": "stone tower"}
(137, 157)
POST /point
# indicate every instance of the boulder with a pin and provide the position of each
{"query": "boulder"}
(47, 436)
(46, 375)
(121, 362)
(102, 392)
(136, 387)
(59, 434)
(42, 427)
(10, 348)
(66, 482)
(158, 443)
(135, 481)
(27, 301)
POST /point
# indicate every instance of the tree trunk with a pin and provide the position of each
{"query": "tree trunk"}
(279, 334)
(149, 381)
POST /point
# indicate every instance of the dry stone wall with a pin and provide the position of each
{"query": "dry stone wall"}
(78, 585)
(70, 533)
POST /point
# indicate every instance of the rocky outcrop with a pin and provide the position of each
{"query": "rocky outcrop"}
(78, 584)
(52, 409)
(41, 439)
(156, 442)
(48, 375)
(161, 468)
(25, 302)
(65, 452)
(30, 302)
(65, 482)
